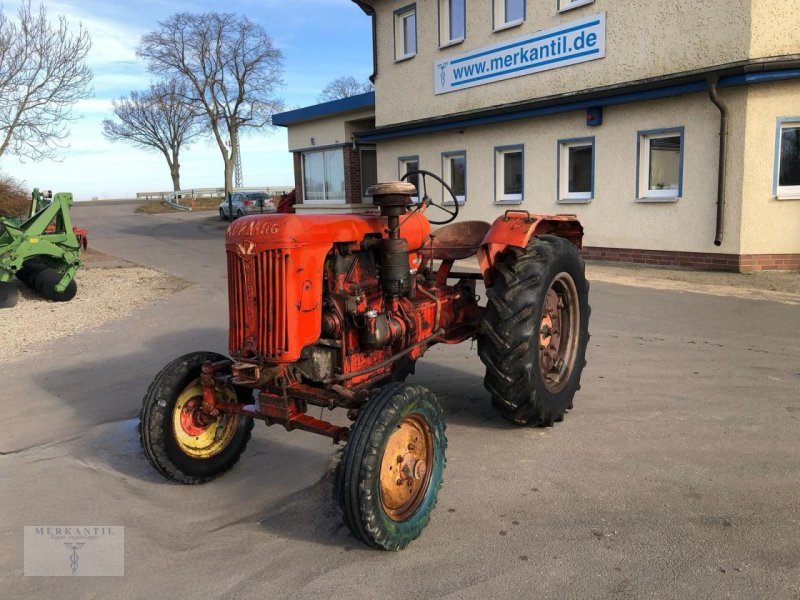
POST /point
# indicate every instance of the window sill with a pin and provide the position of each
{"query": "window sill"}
(451, 43)
(501, 202)
(658, 199)
(405, 58)
(787, 197)
(574, 200)
(574, 5)
(508, 25)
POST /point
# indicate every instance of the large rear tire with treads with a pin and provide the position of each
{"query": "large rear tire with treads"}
(535, 330)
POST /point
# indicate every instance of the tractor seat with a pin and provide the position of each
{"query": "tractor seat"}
(455, 241)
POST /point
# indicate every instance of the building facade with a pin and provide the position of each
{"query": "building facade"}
(671, 129)
(331, 171)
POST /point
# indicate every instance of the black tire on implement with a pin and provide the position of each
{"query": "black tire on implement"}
(157, 432)
(371, 466)
(29, 271)
(45, 283)
(9, 294)
(513, 333)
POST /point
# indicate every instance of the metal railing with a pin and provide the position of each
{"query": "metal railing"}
(210, 192)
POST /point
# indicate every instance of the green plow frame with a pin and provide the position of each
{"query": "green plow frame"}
(46, 235)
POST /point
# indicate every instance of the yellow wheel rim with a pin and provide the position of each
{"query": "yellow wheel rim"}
(406, 468)
(200, 435)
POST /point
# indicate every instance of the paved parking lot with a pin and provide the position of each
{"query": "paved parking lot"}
(675, 476)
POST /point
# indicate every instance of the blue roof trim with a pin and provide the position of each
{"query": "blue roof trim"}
(652, 94)
(325, 109)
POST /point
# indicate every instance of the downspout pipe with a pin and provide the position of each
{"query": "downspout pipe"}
(370, 10)
(722, 162)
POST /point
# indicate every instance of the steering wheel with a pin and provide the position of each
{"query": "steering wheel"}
(426, 200)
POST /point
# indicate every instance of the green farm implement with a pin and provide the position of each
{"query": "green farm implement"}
(42, 250)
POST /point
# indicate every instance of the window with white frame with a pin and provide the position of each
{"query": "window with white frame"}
(570, 4)
(660, 164)
(452, 21)
(454, 172)
(787, 159)
(508, 13)
(576, 170)
(323, 176)
(508, 173)
(407, 164)
(405, 32)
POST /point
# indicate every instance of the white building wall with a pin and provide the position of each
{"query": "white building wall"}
(644, 38)
(614, 218)
(770, 225)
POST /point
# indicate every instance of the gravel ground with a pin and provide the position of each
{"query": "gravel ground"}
(108, 289)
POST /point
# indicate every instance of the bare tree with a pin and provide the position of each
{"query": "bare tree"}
(158, 119)
(43, 73)
(231, 69)
(344, 87)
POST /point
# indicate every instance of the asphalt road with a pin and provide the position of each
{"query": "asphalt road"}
(675, 476)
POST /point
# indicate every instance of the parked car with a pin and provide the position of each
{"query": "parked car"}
(247, 203)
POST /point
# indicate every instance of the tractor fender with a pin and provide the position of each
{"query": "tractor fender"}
(517, 227)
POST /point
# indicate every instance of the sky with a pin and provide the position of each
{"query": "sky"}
(320, 40)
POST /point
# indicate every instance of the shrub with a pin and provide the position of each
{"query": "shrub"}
(15, 198)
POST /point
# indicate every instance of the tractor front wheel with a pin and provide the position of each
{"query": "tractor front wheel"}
(392, 466)
(180, 440)
(535, 331)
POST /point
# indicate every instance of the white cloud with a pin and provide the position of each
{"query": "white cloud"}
(92, 105)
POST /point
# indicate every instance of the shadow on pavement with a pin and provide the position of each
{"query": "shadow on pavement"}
(121, 380)
(182, 229)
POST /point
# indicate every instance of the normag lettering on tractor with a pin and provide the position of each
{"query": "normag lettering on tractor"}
(333, 311)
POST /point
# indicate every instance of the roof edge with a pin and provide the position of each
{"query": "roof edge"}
(325, 109)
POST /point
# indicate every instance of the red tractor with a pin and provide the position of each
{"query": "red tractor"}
(334, 311)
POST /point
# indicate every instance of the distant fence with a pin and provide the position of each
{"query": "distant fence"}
(210, 192)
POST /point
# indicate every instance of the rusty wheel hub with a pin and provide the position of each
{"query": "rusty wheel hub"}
(406, 468)
(558, 333)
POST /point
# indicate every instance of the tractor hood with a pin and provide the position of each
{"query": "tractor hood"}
(275, 276)
(292, 230)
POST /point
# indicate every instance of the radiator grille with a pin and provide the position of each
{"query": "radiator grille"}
(257, 299)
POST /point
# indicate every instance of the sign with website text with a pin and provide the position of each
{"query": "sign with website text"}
(567, 44)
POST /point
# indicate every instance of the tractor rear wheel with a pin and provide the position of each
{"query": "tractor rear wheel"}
(9, 294)
(181, 441)
(391, 469)
(535, 331)
(46, 281)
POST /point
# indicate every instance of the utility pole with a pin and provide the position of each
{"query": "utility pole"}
(237, 169)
